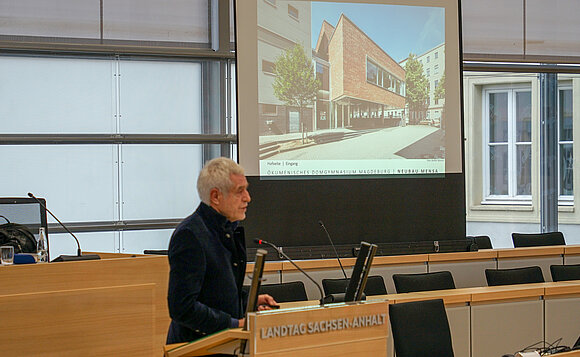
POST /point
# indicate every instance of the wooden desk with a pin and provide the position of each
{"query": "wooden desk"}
(111, 285)
(334, 330)
(572, 254)
(488, 321)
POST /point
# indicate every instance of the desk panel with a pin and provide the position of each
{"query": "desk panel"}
(466, 274)
(562, 311)
(111, 321)
(458, 317)
(508, 327)
(542, 262)
(50, 277)
(572, 259)
(387, 272)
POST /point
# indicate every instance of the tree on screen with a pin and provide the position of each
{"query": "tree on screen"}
(440, 94)
(440, 90)
(417, 89)
(295, 83)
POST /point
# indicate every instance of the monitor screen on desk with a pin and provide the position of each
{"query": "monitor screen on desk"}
(25, 211)
(360, 272)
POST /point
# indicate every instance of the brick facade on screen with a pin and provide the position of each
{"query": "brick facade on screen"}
(348, 52)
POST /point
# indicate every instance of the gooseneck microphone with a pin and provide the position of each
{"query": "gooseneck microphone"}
(63, 258)
(260, 241)
(333, 247)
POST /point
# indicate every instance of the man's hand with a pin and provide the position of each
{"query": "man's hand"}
(241, 322)
(266, 302)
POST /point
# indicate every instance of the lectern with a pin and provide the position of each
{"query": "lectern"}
(353, 329)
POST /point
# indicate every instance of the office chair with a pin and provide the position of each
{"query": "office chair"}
(375, 286)
(407, 283)
(421, 328)
(565, 272)
(283, 292)
(537, 239)
(524, 275)
(483, 242)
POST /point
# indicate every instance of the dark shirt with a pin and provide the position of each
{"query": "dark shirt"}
(207, 259)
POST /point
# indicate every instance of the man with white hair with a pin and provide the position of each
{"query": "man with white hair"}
(207, 257)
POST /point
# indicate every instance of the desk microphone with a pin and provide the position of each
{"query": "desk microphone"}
(260, 241)
(67, 258)
(333, 247)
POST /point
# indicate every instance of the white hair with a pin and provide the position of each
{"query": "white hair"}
(216, 174)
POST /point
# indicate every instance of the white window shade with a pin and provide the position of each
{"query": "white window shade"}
(492, 27)
(55, 18)
(553, 28)
(526, 30)
(84, 21)
(79, 182)
(56, 95)
(160, 97)
(153, 20)
(158, 181)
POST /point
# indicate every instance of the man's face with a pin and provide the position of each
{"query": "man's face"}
(233, 204)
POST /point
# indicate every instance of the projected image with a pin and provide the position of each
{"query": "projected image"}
(350, 89)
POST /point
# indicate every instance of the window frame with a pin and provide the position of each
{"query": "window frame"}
(564, 200)
(291, 11)
(512, 197)
(269, 64)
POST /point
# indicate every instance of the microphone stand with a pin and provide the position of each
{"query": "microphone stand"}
(260, 241)
(64, 258)
(333, 247)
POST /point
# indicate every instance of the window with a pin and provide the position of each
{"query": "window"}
(322, 76)
(565, 143)
(268, 67)
(436, 69)
(428, 72)
(164, 101)
(382, 78)
(372, 72)
(436, 55)
(269, 109)
(293, 12)
(508, 145)
(427, 59)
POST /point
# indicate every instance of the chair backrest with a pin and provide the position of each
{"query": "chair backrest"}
(156, 251)
(565, 272)
(524, 275)
(407, 283)
(537, 239)
(375, 286)
(483, 242)
(421, 328)
(285, 292)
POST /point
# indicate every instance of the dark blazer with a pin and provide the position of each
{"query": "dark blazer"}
(207, 259)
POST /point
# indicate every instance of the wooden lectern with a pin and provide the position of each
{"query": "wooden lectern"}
(356, 329)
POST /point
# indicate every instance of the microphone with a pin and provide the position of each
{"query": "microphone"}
(333, 247)
(64, 258)
(260, 241)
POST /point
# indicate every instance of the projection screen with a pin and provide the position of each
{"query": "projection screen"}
(348, 88)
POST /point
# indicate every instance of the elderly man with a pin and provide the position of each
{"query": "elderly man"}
(207, 257)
